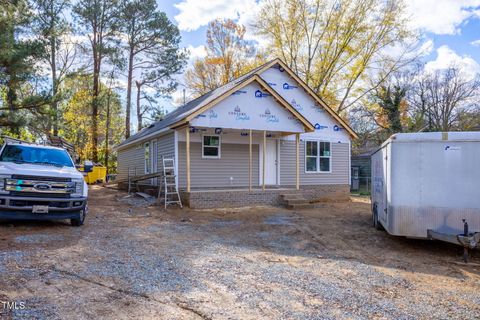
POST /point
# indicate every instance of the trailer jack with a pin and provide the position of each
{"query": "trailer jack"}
(466, 240)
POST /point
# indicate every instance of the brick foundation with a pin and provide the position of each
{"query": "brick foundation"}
(241, 198)
(235, 198)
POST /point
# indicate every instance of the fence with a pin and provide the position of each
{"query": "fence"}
(361, 185)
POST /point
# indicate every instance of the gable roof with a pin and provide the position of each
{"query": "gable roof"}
(254, 78)
(310, 92)
(185, 113)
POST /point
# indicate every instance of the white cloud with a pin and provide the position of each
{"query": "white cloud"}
(475, 43)
(197, 52)
(195, 14)
(446, 57)
(441, 16)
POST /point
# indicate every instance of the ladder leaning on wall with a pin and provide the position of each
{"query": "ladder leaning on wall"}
(172, 196)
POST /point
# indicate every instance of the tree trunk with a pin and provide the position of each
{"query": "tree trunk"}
(54, 104)
(129, 93)
(96, 93)
(107, 128)
(139, 111)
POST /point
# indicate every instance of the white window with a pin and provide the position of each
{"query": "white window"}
(211, 146)
(146, 147)
(317, 156)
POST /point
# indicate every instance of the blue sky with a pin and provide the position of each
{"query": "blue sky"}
(448, 28)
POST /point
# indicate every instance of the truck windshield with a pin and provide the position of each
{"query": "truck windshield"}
(35, 155)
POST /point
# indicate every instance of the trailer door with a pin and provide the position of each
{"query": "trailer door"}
(385, 155)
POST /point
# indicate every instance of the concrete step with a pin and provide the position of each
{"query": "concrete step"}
(300, 206)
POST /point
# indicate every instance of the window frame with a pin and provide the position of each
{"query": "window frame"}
(219, 146)
(318, 156)
(147, 159)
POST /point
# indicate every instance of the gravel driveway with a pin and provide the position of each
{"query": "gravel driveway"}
(131, 262)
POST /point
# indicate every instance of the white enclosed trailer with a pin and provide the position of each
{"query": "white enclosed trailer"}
(427, 185)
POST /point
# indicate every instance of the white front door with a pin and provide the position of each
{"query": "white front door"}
(271, 162)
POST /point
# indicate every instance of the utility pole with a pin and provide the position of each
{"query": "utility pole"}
(184, 101)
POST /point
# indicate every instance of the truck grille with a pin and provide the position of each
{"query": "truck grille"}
(39, 195)
(40, 178)
(43, 186)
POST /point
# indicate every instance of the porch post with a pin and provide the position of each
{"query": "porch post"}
(297, 156)
(250, 161)
(264, 156)
(187, 140)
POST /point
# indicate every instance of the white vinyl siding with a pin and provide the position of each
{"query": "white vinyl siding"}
(133, 157)
(231, 170)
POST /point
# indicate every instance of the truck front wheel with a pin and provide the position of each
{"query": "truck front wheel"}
(79, 222)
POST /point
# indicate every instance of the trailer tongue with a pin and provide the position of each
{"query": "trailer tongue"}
(467, 240)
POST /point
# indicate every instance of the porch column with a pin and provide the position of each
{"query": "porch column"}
(187, 140)
(297, 156)
(264, 156)
(250, 161)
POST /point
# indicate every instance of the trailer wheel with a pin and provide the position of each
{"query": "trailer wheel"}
(376, 224)
(79, 222)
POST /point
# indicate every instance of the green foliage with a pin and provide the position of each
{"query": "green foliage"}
(77, 118)
(389, 99)
(18, 55)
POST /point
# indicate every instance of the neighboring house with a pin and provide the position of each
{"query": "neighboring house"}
(248, 142)
(361, 170)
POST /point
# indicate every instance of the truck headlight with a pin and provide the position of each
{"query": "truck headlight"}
(3, 177)
(78, 188)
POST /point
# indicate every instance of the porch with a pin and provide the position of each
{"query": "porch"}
(216, 159)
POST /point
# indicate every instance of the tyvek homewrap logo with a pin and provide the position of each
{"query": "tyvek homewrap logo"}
(337, 128)
(212, 114)
(238, 114)
(271, 84)
(239, 92)
(318, 126)
(269, 117)
(296, 105)
(260, 94)
(287, 86)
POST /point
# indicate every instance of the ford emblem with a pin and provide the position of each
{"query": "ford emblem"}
(42, 186)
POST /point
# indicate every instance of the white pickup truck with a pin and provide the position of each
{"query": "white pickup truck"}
(40, 183)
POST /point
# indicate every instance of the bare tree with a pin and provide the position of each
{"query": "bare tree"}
(438, 99)
(335, 46)
(54, 29)
(229, 55)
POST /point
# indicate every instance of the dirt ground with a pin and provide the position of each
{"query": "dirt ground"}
(135, 262)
